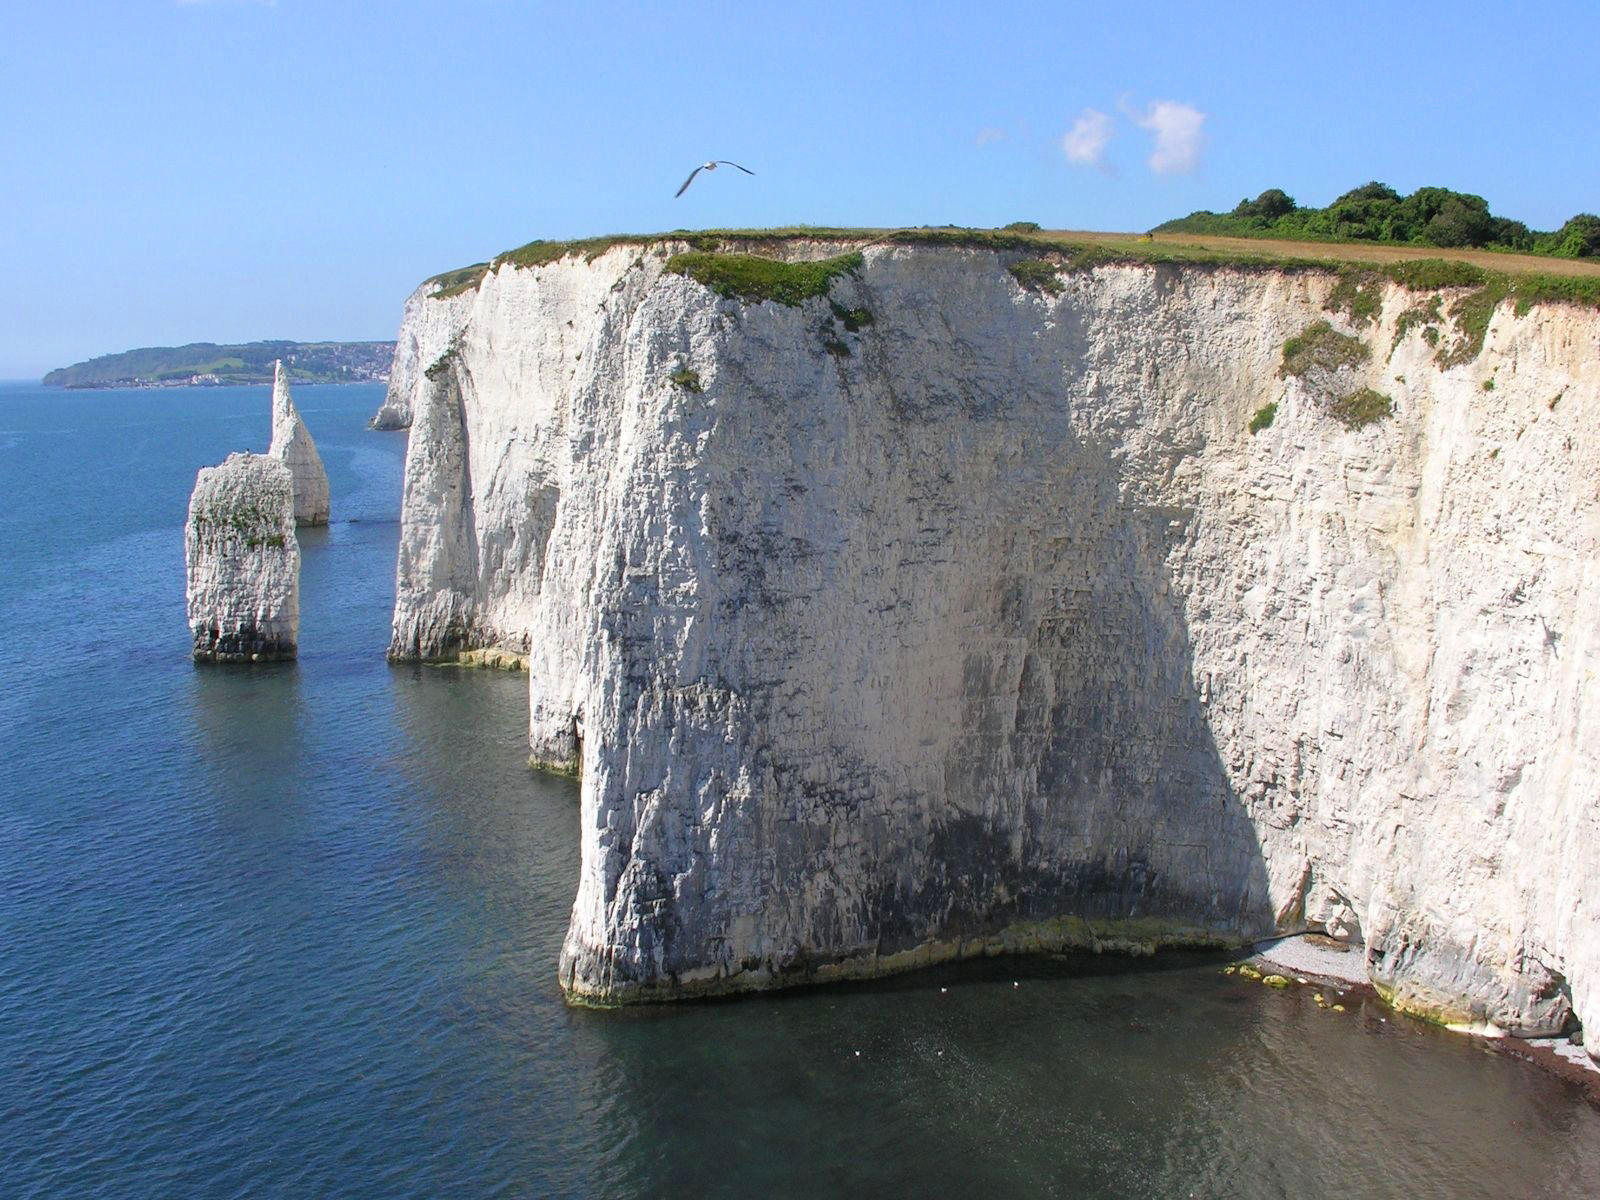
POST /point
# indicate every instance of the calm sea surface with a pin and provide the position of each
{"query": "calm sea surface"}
(292, 931)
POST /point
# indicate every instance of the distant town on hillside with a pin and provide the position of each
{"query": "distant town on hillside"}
(206, 364)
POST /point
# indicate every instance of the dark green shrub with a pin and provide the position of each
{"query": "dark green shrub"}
(1375, 212)
(1578, 238)
(1264, 417)
(1439, 217)
(1513, 235)
(1267, 207)
(688, 379)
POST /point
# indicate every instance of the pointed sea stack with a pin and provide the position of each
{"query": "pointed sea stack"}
(292, 445)
(243, 563)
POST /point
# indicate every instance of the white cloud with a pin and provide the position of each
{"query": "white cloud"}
(991, 133)
(1085, 143)
(1179, 131)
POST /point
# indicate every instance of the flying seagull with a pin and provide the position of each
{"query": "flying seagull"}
(710, 166)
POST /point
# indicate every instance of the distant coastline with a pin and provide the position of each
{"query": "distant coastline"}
(209, 364)
(200, 382)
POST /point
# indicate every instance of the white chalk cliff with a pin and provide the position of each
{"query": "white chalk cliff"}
(292, 445)
(990, 626)
(242, 562)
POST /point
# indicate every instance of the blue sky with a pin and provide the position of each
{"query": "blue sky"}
(182, 170)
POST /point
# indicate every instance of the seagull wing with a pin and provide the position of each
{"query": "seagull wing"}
(726, 163)
(687, 182)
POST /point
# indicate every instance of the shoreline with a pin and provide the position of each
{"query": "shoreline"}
(128, 386)
(1312, 960)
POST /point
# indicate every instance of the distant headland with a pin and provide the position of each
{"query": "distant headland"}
(206, 364)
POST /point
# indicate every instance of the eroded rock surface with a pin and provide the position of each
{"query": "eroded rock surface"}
(292, 445)
(242, 562)
(989, 625)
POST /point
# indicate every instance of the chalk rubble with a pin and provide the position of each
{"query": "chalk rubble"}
(242, 562)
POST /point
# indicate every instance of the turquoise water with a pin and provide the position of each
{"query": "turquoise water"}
(292, 931)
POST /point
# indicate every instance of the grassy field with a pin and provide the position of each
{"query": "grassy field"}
(1331, 252)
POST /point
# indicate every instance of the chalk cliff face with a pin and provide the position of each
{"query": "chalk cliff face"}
(292, 446)
(426, 332)
(989, 625)
(242, 562)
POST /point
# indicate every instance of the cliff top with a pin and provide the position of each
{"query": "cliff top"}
(1527, 278)
(1375, 212)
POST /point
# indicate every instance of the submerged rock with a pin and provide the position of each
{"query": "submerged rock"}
(243, 563)
(292, 445)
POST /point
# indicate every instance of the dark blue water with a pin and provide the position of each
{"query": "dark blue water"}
(292, 931)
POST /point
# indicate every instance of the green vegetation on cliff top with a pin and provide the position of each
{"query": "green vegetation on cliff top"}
(1375, 212)
(754, 263)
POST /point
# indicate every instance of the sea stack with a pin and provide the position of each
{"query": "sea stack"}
(243, 563)
(292, 445)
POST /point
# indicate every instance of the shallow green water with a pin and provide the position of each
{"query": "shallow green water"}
(292, 932)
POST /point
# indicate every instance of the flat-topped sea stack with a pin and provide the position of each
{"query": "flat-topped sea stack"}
(910, 597)
(243, 563)
(292, 445)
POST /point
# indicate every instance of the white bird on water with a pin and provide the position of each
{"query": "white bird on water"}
(709, 166)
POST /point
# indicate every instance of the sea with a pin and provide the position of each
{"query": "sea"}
(291, 931)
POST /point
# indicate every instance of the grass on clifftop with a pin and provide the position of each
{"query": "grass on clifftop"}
(1357, 294)
(723, 260)
(456, 283)
(1037, 275)
(748, 277)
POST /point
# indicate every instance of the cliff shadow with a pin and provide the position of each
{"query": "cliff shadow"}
(1087, 785)
(1085, 801)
